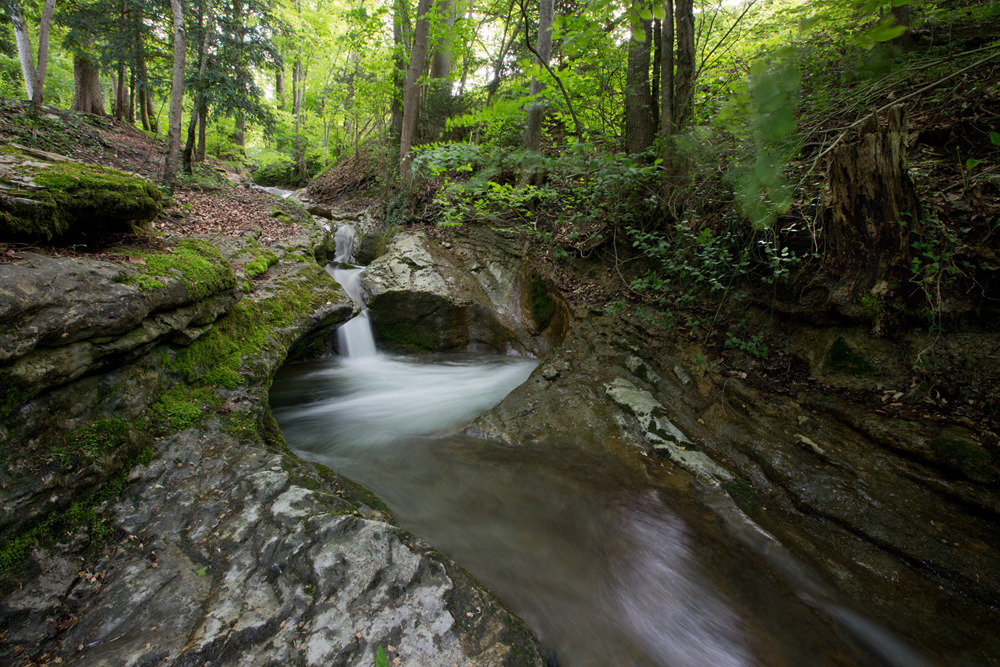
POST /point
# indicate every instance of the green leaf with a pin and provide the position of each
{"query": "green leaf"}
(995, 138)
(645, 15)
(201, 572)
(381, 659)
(638, 34)
(659, 12)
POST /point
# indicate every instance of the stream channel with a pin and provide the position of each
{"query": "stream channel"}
(605, 569)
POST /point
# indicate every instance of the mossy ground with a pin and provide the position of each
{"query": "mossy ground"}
(843, 359)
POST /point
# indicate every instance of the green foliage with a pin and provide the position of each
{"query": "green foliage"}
(381, 659)
(841, 358)
(753, 343)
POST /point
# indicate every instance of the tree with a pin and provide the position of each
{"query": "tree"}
(543, 51)
(34, 77)
(640, 116)
(176, 99)
(411, 94)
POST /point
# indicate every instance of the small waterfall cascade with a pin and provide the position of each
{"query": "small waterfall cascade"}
(355, 337)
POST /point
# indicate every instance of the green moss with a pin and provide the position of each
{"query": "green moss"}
(91, 440)
(241, 426)
(403, 336)
(45, 531)
(217, 358)
(198, 264)
(263, 258)
(843, 359)
(966, 457)
(182, 406)
(79, 198)
(12, 397)
(142, 281)
(542, 304)
(282, 216)
(742, 494)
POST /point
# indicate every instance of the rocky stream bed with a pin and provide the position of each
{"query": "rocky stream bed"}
(152, 513)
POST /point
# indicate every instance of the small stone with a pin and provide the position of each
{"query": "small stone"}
(550, 374)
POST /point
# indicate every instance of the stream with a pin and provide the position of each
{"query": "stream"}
(605, 569)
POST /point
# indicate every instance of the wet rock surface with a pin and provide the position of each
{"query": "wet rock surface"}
(475, 291)
(837, 499)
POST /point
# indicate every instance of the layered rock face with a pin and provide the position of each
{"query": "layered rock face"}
(895, 518)
(477, 291)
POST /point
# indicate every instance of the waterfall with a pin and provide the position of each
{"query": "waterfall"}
(355, 336)
(344, 240)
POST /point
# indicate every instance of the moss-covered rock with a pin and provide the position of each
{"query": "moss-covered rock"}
(48, 197)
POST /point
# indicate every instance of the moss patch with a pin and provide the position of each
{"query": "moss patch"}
(75, 200)
(197, 263)
(742, 494)
(966, 457)
(13, 397)
(217, 358)
(182, 406)
(843, 359)
(84, 512)
(262, 258)
(542, 304)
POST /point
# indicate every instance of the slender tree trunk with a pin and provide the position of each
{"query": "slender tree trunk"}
(202, 131)
(43, 52)
(439, 91)
(240, 135)
(120, 92)
(25, 52)
(176, 100)
(89, 96)
(655, 79)
(279, 89)
(640, 123)
(411, 95)
(131, 96)
(533, 130)
(199, 101)
(399, 69)
(667, 127)
(685, 77)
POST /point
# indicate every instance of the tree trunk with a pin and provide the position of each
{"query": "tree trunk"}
(399, 69)
(120, 92)
(667, 127)
(131, 97)
(873, 203)
(411, 95)
(89, 97)
(25, 52)
(533, 130)
(240, 135)
(202, 131)
(43, 52)
(176, 100)
(439, 92)
(640, 123)
(685, 77)
(199, 98)
(279, 89)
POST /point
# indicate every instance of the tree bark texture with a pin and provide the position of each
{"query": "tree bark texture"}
(43, 51)
(176, 99)
(667, 127)
(411, 94)
(89, 96)
(439, 90)
(640, 123)
(686, 65)
(399, 70)
(873, 203)
(25, 52)
(533, 129)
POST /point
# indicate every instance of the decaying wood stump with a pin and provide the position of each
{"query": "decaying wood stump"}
(873, 204)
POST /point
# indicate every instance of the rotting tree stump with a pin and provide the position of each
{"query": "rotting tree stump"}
(872, 208)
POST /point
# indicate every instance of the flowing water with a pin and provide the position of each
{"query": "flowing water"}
(606, 570)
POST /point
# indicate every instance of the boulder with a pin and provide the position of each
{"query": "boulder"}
(48, 197)
(474, 292)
